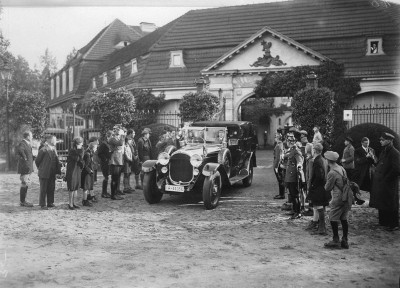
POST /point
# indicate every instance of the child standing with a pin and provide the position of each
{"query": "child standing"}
(88, 173)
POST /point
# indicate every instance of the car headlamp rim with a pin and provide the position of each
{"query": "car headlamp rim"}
(163, 158)
(196, 160)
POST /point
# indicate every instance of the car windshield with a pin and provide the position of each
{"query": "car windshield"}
(209, 135)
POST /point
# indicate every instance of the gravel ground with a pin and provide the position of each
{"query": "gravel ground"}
(247, 241)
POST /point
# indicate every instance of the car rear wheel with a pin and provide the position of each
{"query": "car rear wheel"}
(212, 191)
(249, 179)
(150, 190)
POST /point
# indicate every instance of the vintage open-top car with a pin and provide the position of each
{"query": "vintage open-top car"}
(212, 155)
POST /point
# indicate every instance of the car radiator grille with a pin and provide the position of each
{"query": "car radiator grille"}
(180, 168)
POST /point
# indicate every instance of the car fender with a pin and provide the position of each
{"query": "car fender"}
(149, 166)
(210, 169)
(251, 157)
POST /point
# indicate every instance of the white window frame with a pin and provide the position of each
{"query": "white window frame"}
(117, 73)
(105, 80)
(370, 42)
(94, 83)
(70, 79)
(52, 88)
(57, 86)
(64, 82)
(134, 68)
(178, 54)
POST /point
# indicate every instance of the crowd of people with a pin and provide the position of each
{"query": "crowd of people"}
(306, 172)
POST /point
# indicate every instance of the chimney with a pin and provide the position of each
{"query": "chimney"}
(201, 84)
(147, 27)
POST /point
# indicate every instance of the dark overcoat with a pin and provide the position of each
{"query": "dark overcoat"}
(87, 179)
(385, 182)
(294, 159)
(317, 193)
(44, 160)
(74, 169)
(362, 168)
(25, 158)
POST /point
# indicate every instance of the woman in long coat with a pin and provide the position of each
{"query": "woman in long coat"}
(74, 169)
(385, 184)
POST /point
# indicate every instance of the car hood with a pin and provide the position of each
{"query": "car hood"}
(198, 149)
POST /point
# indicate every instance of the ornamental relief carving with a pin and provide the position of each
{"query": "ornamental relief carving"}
(267, 59)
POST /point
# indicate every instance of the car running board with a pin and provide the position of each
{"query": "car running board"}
(242, 174)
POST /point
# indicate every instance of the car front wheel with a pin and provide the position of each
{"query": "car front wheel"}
(212, 191)
(150, 190)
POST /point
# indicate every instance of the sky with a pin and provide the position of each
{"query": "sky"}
(34, 25)
(31, 26)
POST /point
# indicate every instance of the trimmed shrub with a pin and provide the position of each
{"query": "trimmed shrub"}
(372, 131)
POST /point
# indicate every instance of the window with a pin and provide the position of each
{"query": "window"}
(64, 82)
(71, 78)
(52, 88)
(94, 83)
(57, 86)
(117, 73)
(176, 59)
(105, 78)
(374, 47)
(134, 66)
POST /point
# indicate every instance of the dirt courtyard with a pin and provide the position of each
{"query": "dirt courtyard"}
(246, 242)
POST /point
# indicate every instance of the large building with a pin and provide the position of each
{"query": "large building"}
(233, 47)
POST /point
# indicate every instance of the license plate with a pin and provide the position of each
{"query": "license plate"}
(174, 188)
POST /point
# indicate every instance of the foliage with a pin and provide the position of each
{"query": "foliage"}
(146, 100)
(313, 106)
(330, 75)
(198, 106)
(71, 55)
(372, 131)
(259, 110)
(49, 66)
(28, 109)
(114, 107)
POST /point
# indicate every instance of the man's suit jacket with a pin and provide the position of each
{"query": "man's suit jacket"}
(25, 158)
(44, 162)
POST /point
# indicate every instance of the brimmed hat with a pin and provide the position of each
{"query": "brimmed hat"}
(92, 139)
(304, 132)
(348, 138)
(318, 147)
(331, 155)
(146, 131)
(78, 140)
(386, 136)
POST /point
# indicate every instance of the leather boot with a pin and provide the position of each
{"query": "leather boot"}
(137, 181)
(104, 193)
(321, 222)
(22, 194)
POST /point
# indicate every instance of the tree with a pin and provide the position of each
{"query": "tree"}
(33, 117)
(114, 107)
(49, 66)
(330, 75)
(23, 77)
(314, 106)
(146, 100)
(198, 106)
(71, 55)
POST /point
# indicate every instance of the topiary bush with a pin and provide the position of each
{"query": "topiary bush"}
(372, 131)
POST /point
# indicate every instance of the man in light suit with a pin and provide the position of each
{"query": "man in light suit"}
(25, 166)
(49, 166)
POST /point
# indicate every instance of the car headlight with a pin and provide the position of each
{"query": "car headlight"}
(196, 160)
(163, 158)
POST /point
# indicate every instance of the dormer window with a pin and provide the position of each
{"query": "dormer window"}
(374, 46)
(104, 78)
(71, 79)
(117, 73)
(94, 83)
(134, 66)
(64, 82)
(176, 59)
(122, 44)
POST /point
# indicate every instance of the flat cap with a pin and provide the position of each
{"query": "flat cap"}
(331, 155)
(387, 136)
(348, 138)
(304, 132)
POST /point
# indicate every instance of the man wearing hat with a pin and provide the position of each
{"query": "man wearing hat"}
(385, 184)
(348, 157)
(278, 153)
(144, 150)
(294, 164)
(25, 166)
(339, 210)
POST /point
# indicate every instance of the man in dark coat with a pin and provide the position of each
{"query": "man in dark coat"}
(385, 184)
(25, 166)
(104, 154)
(49, 166)
(294, 165)
(364, 158)
(278, 153)
(144, 150)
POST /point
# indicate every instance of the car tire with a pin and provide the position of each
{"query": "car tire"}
(249, 179)
(225, 159)
(212, 191)
(150, 190)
